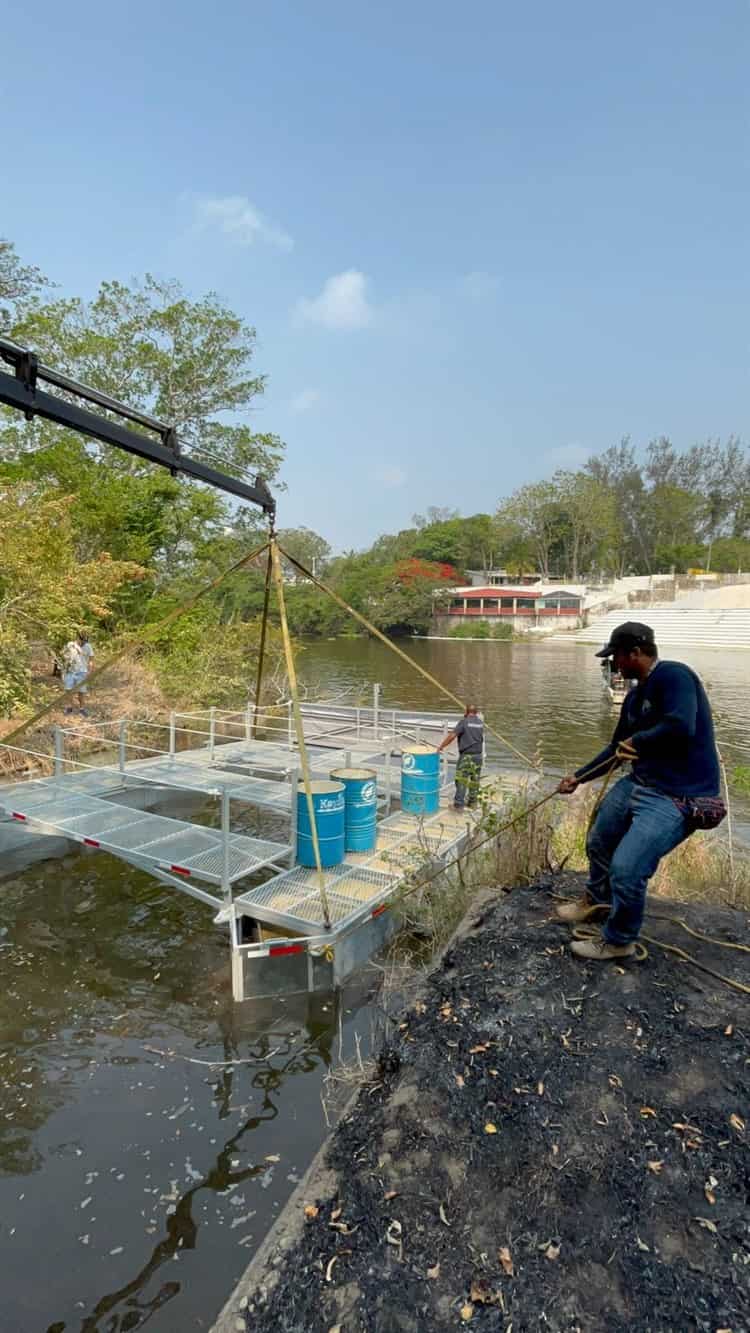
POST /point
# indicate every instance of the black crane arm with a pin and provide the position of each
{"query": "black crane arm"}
(21, 391)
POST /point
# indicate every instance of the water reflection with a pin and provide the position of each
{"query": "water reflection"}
(150, 1129)
(181, 1226)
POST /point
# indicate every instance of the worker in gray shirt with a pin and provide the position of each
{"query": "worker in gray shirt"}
(469, 733)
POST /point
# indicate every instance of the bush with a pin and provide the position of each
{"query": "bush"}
(481, 629)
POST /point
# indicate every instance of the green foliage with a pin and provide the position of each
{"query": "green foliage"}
(481, 629)
(308, 547)
(739, 779)
(15, 675)
(18, 282)
(618, 516)
(200, 659)
(90, 535)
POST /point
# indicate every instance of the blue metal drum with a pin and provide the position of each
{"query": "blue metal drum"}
(361, 799)
(328, 804)
(420, 780)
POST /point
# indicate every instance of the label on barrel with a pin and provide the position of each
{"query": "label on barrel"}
(409, 761)
(368, 793)
(328, 803)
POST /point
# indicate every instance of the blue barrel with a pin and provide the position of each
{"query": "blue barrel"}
(361, 798)
(420, 780)
(328, 804)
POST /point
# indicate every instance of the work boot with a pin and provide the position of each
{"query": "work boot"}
(580, 909)
(599, 950)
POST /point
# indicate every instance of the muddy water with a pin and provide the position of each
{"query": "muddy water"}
(545, 696)
(137, 1176)
(134, 1186)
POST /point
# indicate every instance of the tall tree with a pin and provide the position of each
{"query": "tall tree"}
(534, 512)
(307, 546)
(18, 282)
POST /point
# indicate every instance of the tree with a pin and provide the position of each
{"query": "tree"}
(588, 522)
(46, 591)
(185, 362)
(618, 472)
(435, 514)
(307, 546)
(467, 543)
(672, 519)
(18, 282)
(534, 513)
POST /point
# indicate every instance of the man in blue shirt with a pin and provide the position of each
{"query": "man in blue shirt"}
(469, 732)
(666, 735)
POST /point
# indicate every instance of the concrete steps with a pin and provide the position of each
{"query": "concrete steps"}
(677, 625)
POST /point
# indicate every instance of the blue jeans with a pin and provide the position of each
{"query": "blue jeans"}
(635, 827)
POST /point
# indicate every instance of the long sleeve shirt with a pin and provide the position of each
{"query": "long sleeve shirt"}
(667, 720)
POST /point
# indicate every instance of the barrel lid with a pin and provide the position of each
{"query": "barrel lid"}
(342, 774)
(322, 788)
(419, 749)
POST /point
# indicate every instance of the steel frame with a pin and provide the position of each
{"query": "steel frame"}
(21, 391)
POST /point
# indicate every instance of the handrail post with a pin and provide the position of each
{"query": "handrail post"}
(121, 745)
(388, 779)
(172, 735)
(294, 779)
(375, 710)
(211, 734)
(290, 726)
(249, 722)
(59, 742)
(226, 886)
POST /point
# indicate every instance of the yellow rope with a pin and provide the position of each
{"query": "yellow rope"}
(372, 629)
(134, 643)
(292, 674)
(641, 952)
(584, 932)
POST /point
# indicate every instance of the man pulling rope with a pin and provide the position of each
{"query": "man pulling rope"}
(666, 734)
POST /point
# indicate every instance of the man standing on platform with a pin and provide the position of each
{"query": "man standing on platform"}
(666, 735)
(469, 733)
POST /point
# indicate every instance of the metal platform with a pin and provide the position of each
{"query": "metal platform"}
(292, 900)
(94, 804)
(154, 842)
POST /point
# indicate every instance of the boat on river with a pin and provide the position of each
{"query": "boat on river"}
(615, 684)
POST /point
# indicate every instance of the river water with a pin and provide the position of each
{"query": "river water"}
(137, 1175)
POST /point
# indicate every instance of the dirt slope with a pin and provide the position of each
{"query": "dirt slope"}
(549, 1146)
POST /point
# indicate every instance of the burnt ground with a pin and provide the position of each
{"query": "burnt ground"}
(613, 1194)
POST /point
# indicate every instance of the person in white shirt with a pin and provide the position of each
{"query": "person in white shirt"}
(78, 657)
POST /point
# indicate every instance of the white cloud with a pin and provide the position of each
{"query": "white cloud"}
(566, 456)
(304, 401)
(342, 304)
(390, 476)
(239, 220)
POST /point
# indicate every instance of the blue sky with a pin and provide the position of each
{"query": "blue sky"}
(477, 241)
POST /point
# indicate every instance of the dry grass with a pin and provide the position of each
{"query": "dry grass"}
(130, 689)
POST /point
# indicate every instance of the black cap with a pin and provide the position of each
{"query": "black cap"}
(628, 636)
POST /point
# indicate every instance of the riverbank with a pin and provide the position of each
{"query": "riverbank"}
(545, 1144)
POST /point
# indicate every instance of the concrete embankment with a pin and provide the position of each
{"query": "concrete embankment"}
(546, 1144)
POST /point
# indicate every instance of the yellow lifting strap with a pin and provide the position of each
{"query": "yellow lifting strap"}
(262, 646)
(134, 643)
(304, 762)
(399, 653)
